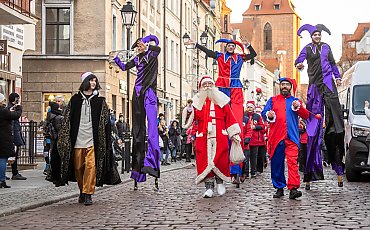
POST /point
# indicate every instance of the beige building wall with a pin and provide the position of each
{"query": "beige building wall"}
(91, 41)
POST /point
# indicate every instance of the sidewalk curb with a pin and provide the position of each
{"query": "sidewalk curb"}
(33, 205)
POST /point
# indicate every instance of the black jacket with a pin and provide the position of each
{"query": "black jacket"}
(6, 138)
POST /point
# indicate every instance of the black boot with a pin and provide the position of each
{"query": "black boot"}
(279, 193)
(4, 185)
(294, 193)
(81, 198)
(88, 200)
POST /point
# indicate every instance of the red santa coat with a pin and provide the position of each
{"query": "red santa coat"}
(219, 116)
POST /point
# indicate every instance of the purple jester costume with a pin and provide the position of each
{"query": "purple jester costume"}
(144, 105)
(322, 95)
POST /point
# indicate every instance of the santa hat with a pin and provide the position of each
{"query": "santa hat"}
(250, 104)
(258, 109)
(312, 29)
(292, 82)
(85, 75)
(205, 79)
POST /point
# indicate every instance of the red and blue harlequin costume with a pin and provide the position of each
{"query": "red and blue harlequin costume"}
(228, 81)
(283, 140)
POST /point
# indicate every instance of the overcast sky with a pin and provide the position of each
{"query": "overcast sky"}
(340, 16)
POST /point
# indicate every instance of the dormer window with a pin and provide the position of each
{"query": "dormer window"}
(276, 6)
(257, 7)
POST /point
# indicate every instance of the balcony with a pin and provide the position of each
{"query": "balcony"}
(16, 12)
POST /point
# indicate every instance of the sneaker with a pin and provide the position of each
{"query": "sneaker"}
(7, 178)
(279, 193)
(253, 175)
(221, 189)
(294, 193)
(19, 177)
(4, 185)
(325, 164)
(208, 193)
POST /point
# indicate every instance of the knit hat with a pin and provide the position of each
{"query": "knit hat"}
(2, 97)
(85, 75)
(250, 104)
(205, 79)
(13, 96)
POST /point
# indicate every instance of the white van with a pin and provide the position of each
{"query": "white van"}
(353, 92)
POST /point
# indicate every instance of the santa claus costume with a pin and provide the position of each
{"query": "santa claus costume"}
(215, 124)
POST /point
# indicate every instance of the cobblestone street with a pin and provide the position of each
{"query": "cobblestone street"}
(178, 205)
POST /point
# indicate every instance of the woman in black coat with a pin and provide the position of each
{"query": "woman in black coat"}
(174, 134)
(6, 138)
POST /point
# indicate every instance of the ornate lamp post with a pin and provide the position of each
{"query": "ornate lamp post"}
(128, 20)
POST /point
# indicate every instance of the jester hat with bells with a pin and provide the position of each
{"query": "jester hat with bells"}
(312, 29)
(146, 40)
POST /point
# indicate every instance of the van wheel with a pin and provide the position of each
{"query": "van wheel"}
(351, 174)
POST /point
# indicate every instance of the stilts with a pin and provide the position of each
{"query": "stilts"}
(156, 186)
(135, 185)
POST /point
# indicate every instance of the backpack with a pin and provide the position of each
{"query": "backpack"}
(51, 126)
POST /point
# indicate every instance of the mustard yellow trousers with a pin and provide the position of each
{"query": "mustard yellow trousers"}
(84, 167)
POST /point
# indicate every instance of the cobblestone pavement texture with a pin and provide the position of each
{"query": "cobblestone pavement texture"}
(36, 191)
(178, 205)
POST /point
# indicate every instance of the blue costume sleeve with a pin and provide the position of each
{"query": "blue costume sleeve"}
(267, 108)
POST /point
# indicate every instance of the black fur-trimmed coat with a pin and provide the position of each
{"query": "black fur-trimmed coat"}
(106, 169)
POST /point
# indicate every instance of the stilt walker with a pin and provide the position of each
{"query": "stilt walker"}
(144, 110)
(322, 94)
(228, 81)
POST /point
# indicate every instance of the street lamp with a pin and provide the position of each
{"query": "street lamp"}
(204, 38)
(128, 20)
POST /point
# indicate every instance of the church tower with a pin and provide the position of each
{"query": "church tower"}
(271, 27)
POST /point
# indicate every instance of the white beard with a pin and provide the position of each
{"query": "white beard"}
(216, 96)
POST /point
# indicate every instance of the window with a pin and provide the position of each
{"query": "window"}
(360, 94)
(114, 33)
(172, 56)
(114, 102)
(267, 37)
(257, 7)
(58, 34)
(177, 58)
(225, 23)
(142, 32)
(167, 54)
(276, 6)
(5, 62)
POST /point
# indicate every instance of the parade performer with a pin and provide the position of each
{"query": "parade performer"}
(229, 67)
(215, 124)
(144, 106)
(322, 91)
(282, 112)
(84, 141)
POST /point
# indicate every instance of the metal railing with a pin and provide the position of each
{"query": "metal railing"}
(22, 6)
(28, 151)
